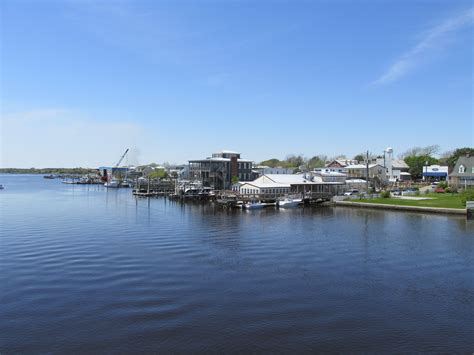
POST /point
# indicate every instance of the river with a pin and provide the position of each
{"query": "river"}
(85, 269)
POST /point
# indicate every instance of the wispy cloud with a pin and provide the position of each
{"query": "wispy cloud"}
(431, 39)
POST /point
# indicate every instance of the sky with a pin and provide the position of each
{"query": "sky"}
(81, 81)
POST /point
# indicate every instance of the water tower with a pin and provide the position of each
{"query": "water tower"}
(388, 158)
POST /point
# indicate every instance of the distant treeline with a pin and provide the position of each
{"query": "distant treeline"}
(48, 171)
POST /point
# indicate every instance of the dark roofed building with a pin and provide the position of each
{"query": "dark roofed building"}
(462, 175)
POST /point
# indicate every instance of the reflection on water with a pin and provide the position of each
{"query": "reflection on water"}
(85, 269)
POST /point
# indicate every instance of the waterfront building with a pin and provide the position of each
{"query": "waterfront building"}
(462, 175)
(280, 184)
(219, 170)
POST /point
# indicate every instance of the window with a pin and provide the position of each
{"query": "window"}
(462, 169)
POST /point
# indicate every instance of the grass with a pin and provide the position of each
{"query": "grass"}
(445, 200)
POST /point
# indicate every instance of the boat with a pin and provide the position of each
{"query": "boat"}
(51, 176)
(253, 205)
(290, 202)
(112, 184)
(1, 187)
(257, 205)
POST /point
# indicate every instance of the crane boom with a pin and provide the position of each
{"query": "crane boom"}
(121, 158)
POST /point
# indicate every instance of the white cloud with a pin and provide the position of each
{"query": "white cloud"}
(431, 39)
(54, 137)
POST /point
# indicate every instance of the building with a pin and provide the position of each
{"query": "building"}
(260, 170)
(281, 184)
(339, 165)
(221, 169)
(376, 172)
(462, 175)
(396, 169)
(435, 173)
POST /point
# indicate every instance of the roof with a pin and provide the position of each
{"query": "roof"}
(399, 164)
(290, 179)
(220, 159)
(468, 163)
(264, 184)
(362, 166)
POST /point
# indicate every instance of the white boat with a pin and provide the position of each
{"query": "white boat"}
(112, 183)
(253, 205)
(290, 202)
(256, 205)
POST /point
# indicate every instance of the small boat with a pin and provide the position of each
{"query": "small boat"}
(1, 187)
(290, 202)
(112, 183)
(51, 176)
(254, 205)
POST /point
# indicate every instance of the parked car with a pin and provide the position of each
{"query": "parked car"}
(351, 192)
(439, 190)
(396, 192)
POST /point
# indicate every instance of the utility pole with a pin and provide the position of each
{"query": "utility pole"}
(367, 171)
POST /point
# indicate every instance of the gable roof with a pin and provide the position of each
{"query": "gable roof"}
(468, 163)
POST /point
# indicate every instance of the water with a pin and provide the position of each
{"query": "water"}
(87, 270)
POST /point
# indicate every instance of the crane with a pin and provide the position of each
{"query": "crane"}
(121, 158)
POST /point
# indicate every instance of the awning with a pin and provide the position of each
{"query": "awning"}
(435, 174)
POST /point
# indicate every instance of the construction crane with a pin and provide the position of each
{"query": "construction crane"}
(121, 158)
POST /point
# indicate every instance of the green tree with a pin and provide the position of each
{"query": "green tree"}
(359, 157)
(318, 161)
(158, 174)
(416, 164)
(453, 158)
(272, 163)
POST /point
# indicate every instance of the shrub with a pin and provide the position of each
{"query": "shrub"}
(467, 195)
(427, 191)
(385, 194)
(442, 184)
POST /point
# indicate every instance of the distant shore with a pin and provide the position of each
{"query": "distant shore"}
(47, 171)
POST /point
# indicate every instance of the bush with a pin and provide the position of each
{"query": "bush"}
(467, 195)
(427, 192)
(385, 194)
(442, 184)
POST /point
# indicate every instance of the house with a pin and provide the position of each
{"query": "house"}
(395, 168)
(220, 169)
(377, 172)
(339, 165)
(435, 173)
(462, 175)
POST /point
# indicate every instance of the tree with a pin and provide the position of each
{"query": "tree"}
(318, 161)
(294, 161)
(235, 179)
(272, 163)
(453, 158)
(421, 151)
(359, 157)
(416, 164)
(158, 174)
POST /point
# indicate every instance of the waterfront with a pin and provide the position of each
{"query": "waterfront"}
(86, 269)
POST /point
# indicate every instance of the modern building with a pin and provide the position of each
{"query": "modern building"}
(462, 175)
(435, 173)
(219, 170)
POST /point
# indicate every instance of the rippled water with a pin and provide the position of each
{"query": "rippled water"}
(84, 269)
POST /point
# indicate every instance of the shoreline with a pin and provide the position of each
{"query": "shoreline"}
(439, 210)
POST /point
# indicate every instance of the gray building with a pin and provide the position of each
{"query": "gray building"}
(220, 169)
(462, 175)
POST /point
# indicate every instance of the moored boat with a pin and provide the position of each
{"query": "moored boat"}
(290, 202)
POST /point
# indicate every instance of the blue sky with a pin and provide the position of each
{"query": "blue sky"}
(176, 80)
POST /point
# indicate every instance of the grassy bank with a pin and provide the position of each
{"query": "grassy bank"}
(445, 200)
